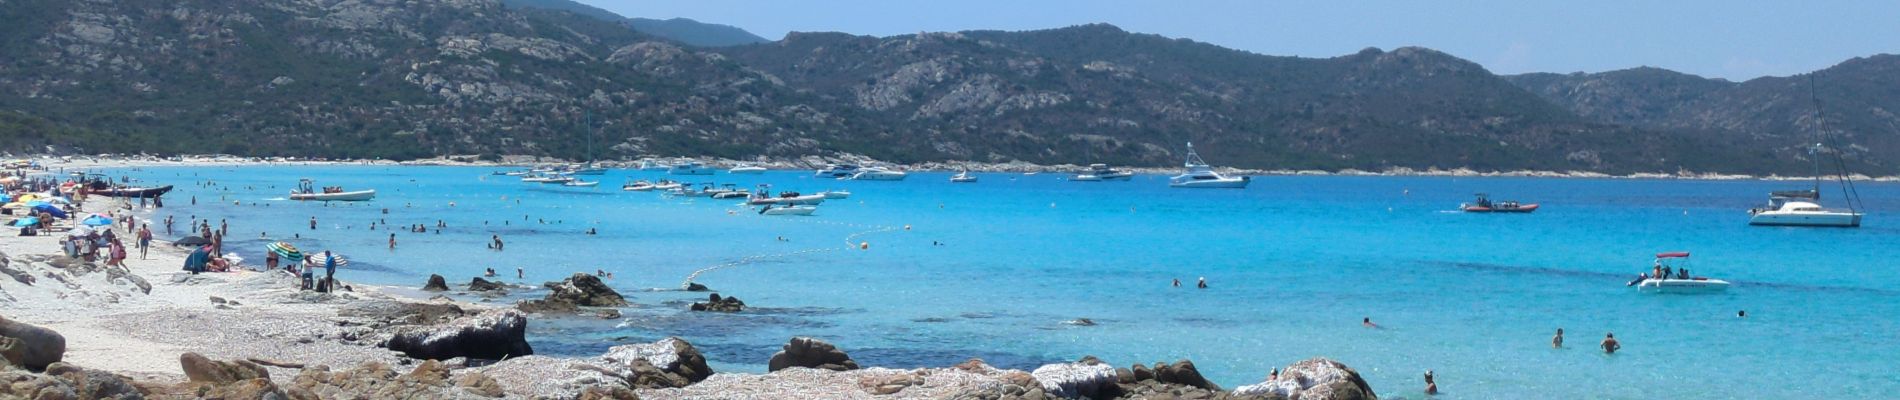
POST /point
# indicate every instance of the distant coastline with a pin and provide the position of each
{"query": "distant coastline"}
(814, 162)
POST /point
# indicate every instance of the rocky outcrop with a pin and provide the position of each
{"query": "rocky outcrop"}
(436, 284)
(66, 381)
(430, 380)
(668, 363)
(1088, 377)
(567, 296)
(402, 312)
(811, 353)
(1313, 379)
(695, 287)
(483, 285)
(205, 370)
(30, 346)
(491, 335)
(720, 304)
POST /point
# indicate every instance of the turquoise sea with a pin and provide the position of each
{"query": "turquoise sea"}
(1293, 262)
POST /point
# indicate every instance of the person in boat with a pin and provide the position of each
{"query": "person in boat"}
(1639, 279)
(1657, 271)
(1557, 342)
(1609, 345)
(1667, 272)
(1682, 273)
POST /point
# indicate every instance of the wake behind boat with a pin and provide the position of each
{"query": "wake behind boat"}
(306, 191)
(1671, 276)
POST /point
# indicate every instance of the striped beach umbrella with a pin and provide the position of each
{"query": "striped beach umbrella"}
(285, 250)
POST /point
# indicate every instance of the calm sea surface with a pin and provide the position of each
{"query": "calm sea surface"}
(1294, 264)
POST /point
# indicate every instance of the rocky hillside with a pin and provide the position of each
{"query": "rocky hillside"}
(682, 30)
(432, 77)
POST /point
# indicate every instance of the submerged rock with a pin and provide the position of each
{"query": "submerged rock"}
(716, 303)
(668, 363)
(1313, 379)
(491, 335)
(811, 353)
(436, 284)
(30, 346)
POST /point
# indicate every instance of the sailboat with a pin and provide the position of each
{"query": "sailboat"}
(1803, 207)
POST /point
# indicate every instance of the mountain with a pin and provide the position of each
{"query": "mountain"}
(1857, 100)
(422, 78)
(682, 30)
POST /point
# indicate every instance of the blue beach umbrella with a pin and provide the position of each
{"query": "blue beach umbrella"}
(26, 221)
(96, 220)
(37, 204)
(50, 210)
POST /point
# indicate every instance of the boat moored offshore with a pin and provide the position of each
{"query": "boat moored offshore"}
(1199, 175)
(1671, 276)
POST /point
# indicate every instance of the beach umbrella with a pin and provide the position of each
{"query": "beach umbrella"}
(192, 241)
(28, 221)
(37, 203)
(287, 251)
(79, 231)
(50, 209)
(26, 197)
(57, 200)
(316, 259)
(96, 220)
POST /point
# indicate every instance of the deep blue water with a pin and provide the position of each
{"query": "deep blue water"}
(1294, 264)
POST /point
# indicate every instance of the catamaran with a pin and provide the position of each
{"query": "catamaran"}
(1199, 175)
(1803, 208)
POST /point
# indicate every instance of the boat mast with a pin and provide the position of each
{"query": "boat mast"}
(1193, 159)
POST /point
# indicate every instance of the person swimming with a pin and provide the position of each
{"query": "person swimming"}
(1431, 385)
(1202, 283)
(1609, 345)
(1557, 342)
(1367, 322)
(1177, 282)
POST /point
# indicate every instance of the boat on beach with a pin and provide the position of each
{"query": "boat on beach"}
(1484, 205)
(131, 191)
(1674, 277)
(306, 190)
(1199, 175)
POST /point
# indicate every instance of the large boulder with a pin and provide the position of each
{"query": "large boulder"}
(1089, 378)
(200, 369)
(94, 384)
(1182, 373)
(1313, 379)
(811, 353)
(436, 284)
(720, 304)
(586, 291)
(30, 346)
(373, 380)
(491, 335)
(402, 312)
(483, 285)
(668, 363)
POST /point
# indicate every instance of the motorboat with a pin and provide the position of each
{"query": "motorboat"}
(637, 186)
(1671, 276)
(1101, 172)
(1199, 175)
(580, 183)
(746, 170)
(538, 179)
(555, 179)
(515, 173)
(1485, 205)
(690, 168)
(587, 171)
(667, 185)
(878, 174)
(786, 198)
(131, 191)
(650, 165)
(836, 194)
(306, 190)
(963, 177)
(838, 171)
(728, 191)
(787, 210)
(1803, 207)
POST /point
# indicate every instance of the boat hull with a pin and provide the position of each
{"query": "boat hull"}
(1523, 209)
(746, 171)
(1229, 183)
(1821, 219)
(360, 195)
(132, 192)
(803, 210)
(1682, 286)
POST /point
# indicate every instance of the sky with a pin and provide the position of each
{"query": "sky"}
(1736, 39)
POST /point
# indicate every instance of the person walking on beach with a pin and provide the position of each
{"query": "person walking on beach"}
(1557, 342)
(117, 253)
(145, 240)
(1610, 346)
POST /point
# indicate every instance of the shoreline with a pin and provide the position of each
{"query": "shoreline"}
(814, 162)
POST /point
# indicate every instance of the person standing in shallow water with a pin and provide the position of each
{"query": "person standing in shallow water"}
(313, 222)
(1557, 342)
(1431, 385)
(520, 274)
(392, 241)
(1202, 284)
(1610, 346)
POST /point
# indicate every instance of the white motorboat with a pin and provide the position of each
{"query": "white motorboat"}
(306, 191)
(580, 183)
(649, 165)
(588, 171)
(728, 191)
(1101, 172)
(637, 186)
(788, 210)
(537, 179)
(963, 177)
(691, 168)
(836, 194)
(786, 198)
(556, 179)
(746, 170)
(1803, 207)
(1675, 278)
(515, 173)
(666, 185)
(838, 171)
(1199, 175)
(878, 174)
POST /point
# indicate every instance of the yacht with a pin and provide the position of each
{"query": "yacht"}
(580, 183)
(690, 168)
(647, 164)
(587, 170)
(878, 174)
(786, 198)
(836, 194)
(1199, 175)
(747, 170)
(838, 171)
(1803, 207)
(666, 185)
(1101, 172)
(1675, 279)
(963, 177)
(637, 186)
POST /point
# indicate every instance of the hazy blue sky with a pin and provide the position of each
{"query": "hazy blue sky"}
(1737, 40)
